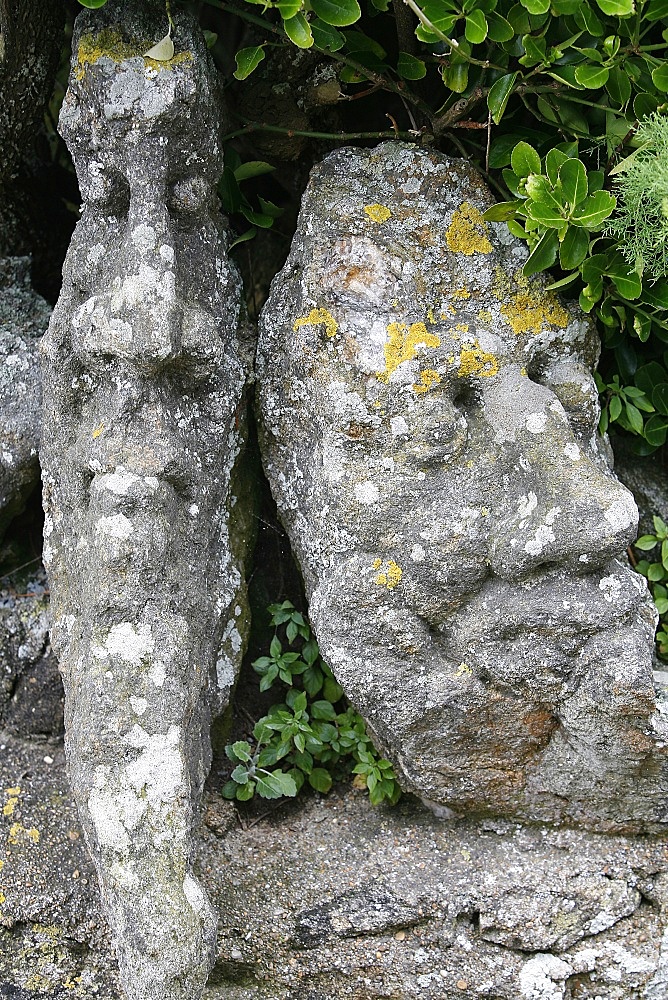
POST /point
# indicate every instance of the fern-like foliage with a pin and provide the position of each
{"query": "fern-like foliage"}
(640, 223)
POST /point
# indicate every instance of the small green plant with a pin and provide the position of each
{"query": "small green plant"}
(559, 204)
(656, 573)
(315, 735)
(641, 223)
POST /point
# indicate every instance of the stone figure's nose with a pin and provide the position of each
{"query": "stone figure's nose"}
(138, 317)
(558, 506)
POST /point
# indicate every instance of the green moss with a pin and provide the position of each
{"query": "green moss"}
(109, 42)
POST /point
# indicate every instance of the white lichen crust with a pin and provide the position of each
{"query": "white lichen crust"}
(429, 428)
(144, 401)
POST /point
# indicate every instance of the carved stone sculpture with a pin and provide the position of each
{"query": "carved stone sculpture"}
(144, 383)
(429, 428)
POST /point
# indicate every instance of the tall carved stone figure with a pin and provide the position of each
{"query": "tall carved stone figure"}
(144, 385)
(429, 428)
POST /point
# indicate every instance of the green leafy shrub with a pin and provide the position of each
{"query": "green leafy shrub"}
(656, 573)
(313, 733)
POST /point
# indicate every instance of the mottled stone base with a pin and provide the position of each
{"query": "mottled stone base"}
(328, 899)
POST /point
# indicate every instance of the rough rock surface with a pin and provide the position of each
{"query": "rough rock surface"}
(24, 317)
(31, 690)
(144, 404)
(429, 431)
(331, 899)
(647, 479)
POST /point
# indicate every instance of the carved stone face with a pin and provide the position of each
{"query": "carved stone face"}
(149, 303)
(430, 430)
(143, 387)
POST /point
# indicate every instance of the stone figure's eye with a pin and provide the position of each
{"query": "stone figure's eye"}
(189, 194)
(107, 189)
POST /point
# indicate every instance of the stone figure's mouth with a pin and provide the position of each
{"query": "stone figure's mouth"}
(554, 601)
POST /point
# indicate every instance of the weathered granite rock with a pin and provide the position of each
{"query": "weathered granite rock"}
(144, 404)
(429, 431)
(24, 316)
(31, 690)
(332, 899)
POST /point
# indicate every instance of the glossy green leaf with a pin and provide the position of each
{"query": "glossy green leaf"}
(248, 60)
(524, 160)
(573, 180)
(536, 6)
(588, 20)
(660, 399)
(553, 161)
(543, 254)
(498, 96)
(535, 50)
(617, 8)
(298, 31)
(634, 417)
(502, 211)
(456, 76)
(245, 792)
(339, 13)
(498, 29)
(252, 168)
(288, 8)
(547, 215)
(660, 77)
(655, 430)
(475, 27)
(618, 86)
(92, 4)
(326, 37)
(644, 105)
(615, 408)
(410, 68)
(594, 210)
(592, 77)
(656, 10)
(573, 248)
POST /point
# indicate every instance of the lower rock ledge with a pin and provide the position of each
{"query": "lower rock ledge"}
(330, 898)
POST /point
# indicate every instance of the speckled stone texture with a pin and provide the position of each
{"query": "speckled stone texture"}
(428, 426)
(24, 317)
(333, 899)
(144, 381)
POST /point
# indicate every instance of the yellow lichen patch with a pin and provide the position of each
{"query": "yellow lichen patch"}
(98, 430)
(461, 293)
(2, 897)
(391, 577)
(462, 327)
(467, 233)
(377, 213)
(377, 563)
(485, 316)
(428, 379)
(12, 800)
(524, 372)
(528, 312)
(430, 315)
(463, 668)
(316, 317)
(109, 42)
(475, 361)
(17, 831)
(402, 343)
